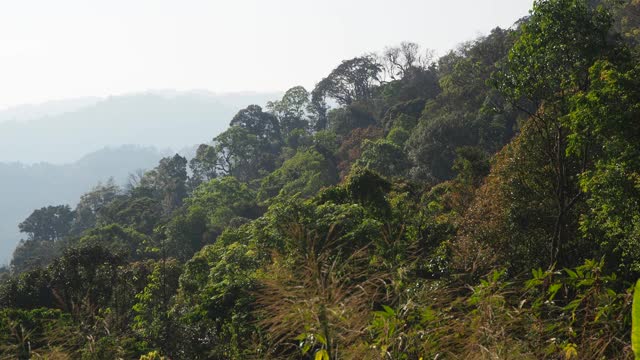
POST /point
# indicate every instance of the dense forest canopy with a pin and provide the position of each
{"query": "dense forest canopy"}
(482, 205)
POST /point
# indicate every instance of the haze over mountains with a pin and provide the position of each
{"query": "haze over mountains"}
(52, 153)
(63, 131)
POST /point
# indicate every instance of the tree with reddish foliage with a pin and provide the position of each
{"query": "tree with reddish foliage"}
(351, 148)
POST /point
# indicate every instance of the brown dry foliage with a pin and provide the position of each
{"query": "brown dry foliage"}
(484, 224)
(351, 147)
(510, 220)
(319, 292)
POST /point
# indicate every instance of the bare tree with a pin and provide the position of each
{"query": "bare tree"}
(397, 61)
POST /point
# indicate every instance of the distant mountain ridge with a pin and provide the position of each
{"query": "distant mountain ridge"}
(163, 119)
(28, 112)
(51, 153)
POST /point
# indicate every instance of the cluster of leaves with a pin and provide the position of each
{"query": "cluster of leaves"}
(401, 223)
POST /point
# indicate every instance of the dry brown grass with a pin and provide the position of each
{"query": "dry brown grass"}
(321, 294)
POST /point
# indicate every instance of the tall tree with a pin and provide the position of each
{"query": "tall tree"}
(262, 124)
(605, 117)
(241, 154)
(398, 61)
(51, 223)
(250, 147)
(168, 181)
(294, 112)
(203, 165)
(92, 204)
(353, 80)
(549, 63)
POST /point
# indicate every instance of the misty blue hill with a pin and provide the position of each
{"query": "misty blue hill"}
(61, 132)
(28, 112)
(24, 188)
(43, 147)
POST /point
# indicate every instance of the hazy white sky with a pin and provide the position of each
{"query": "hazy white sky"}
(72, 48)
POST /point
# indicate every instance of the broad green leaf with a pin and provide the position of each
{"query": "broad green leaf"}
(571, 273)
(389, 310)
(322, 355)
(321, 339)
(553, 290)
(635, 321)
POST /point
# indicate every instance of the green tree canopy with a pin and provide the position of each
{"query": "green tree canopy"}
(51, 223)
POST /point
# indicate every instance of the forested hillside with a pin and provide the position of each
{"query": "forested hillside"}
(27, 187)
(482, 205)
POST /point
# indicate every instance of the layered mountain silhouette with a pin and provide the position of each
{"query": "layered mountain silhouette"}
(63, 131)
(52, 153)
